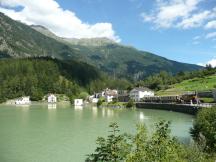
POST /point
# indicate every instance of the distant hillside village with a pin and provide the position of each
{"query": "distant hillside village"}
(137, 94)
(51, 98)
(109, 95)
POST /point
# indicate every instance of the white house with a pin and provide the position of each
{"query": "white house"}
(52, 98)
(78, 102)
(95, 100)
(137, 94)
(110, 94)
(98, 95)
(109, 98)
(23, 101)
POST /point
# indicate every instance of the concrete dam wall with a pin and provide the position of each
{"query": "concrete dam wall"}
(188, 109)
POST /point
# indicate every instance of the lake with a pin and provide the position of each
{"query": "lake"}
(63, 133)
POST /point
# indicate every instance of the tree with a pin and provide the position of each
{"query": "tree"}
(113, 149)
(36, 94)
(83, 95)
(204, 129)
(37, 77)
(141, 147)
(100, 101)
(130, 104)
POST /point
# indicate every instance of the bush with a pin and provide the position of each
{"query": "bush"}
(114, 148)
(83, 95)
(100, 101)
(160, 147)
(130, 104)
(204, 129)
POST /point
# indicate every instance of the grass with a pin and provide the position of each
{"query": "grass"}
(121, 104)
(207, 100)
(196, 84)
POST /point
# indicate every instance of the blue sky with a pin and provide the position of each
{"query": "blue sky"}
(182, 30)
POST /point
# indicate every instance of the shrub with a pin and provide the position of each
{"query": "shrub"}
(83, 95)
(100, 101)
(130, 104)
(160, 147)
(204, 129)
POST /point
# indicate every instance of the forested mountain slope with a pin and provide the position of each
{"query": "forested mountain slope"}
(19, 40)
(37, 77)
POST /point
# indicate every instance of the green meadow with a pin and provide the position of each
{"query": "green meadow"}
(196, 84)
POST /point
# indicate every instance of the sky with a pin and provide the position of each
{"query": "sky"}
(181, 30)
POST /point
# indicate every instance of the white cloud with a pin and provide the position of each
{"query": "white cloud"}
(211, 25)
(62, 22)
(195, 20)
(210, 62)
(211, 35)
(196, 37)
(178, 14)
(195, 42)
(146, 17)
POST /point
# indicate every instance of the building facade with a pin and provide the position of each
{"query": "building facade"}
(52, 98)
(23, 101)
(137, 94)
(78, 102)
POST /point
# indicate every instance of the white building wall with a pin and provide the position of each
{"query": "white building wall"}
(23, 100)
(138, 95)
(141, 95)
(52, 99)
(109, 98)
(95, 100)
(78, 102)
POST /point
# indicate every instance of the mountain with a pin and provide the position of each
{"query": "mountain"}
(20, 40)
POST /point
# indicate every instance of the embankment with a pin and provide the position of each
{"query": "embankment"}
(187, 109)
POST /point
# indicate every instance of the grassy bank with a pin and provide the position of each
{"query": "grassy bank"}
(196, 84)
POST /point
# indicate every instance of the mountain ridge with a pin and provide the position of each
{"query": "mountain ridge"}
(20, 40)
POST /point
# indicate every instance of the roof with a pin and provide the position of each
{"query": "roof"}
(141, 89)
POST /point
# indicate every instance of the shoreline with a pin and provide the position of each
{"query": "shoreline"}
(12, 102)
(186, 109)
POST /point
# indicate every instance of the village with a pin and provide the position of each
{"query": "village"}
(113, 97)
(108, 95)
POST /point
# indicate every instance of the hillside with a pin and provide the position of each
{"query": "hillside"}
(30, 77)
(197, 84)
(118, 59)
(19, 40)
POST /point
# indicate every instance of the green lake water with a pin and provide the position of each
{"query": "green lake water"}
(45, 133)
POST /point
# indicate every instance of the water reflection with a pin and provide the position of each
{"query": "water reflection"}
(52, 106)
(142, 116)
(26, 107)
(95, 110)
(107, 112)
(78, 107)
(25, 114)
(51, 133)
